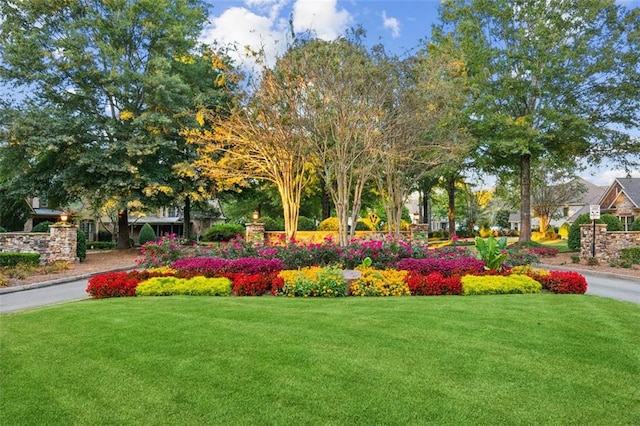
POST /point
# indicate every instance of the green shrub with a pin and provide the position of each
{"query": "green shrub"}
(635, 225)
(574, 239)
(630, 254)
(101, 245)
(306, 224)
(42, 227)
(2, 229)
(613, 223)
(105, 236)
(364, 225)
(81, 245)
(223, 232)
(496, 284)
(197, 286)
(271, 224)
(147, 234)
(14, 259)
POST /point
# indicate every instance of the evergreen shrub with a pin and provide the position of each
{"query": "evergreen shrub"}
(223, 232)
(42, 227)
(81, 245)
(306, 224)
(147, 234)
(14, 259)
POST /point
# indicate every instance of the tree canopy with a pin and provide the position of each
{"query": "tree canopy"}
(105, 83)
(556, 80)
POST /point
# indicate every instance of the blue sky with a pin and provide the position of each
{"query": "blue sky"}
(399, 25)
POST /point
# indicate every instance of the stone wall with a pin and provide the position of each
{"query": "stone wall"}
(59, 244)
(607, 244)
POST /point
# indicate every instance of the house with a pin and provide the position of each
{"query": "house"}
(622, 199)
(165, 220)
(570, 209)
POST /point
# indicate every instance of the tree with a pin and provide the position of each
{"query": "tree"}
(551, 80)
(263, 140)
(422, 126)
(343, 113)
(104, 85)
(549, 193)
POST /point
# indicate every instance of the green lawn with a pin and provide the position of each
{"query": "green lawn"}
(517, 359)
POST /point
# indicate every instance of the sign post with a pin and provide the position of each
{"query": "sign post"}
(594, 214)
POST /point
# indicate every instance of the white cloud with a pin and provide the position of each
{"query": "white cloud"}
(321, 17)
(240, 27)
(606, 177)
(391, 23)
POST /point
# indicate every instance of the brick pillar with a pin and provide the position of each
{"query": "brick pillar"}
(63, 243)
(255, 232)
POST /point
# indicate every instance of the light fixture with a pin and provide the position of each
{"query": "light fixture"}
(63, 217)
(416, 217)
(255, 215)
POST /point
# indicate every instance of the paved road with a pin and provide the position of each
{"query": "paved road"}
(36, 297)
(598, 285)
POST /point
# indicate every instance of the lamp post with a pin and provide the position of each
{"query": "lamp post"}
(64, 217)
(255, 216)
(416, 217)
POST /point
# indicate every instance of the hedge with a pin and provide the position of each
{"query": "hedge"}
(196, 286)
(14, 259)
(497, 284)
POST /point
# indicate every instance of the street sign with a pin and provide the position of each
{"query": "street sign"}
(594, 212)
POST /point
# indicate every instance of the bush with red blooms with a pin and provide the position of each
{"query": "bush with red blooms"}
(434, 284)
(119, 284)
(112, 284)
(564, 282)
(255, 284)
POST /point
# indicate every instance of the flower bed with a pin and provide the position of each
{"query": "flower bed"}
(388, 268)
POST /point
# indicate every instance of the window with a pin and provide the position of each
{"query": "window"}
(626, 222)
(86, 226)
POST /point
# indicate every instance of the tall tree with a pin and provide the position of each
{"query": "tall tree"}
(102, 79)
(422, 124)
(552, 79)
(343, 114)
(262, 139)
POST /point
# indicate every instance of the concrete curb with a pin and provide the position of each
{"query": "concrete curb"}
(17, 288)
(587, 272)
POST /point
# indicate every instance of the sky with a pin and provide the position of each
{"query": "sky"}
(399, 25)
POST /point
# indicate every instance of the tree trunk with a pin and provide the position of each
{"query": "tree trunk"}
(123, 229)
(451, 212)
(186, 219)
(525, 198)
(325, 200)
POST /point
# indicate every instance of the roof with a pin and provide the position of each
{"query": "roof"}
(631, 187)
(45, 212)
(590, 195)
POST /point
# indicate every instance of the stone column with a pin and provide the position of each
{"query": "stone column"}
(586, 242)
(419, 232)
(255, 232)
(63, 243)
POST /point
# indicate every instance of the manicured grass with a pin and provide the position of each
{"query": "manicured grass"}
(534, 359)
(560, 245)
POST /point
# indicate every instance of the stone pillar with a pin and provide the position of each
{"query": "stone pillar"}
(255, 232)
(419, 232)
(586, 242)
(63, 243)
